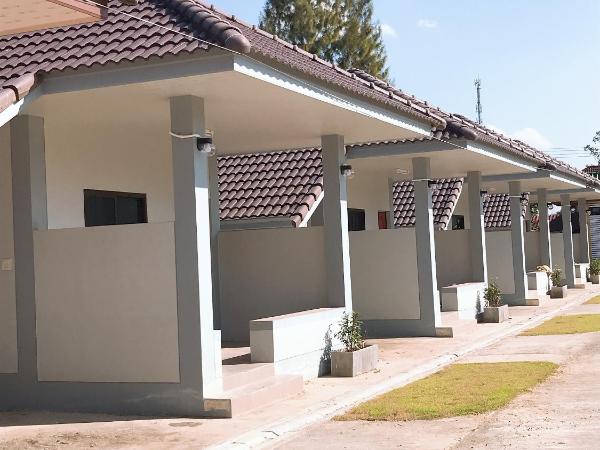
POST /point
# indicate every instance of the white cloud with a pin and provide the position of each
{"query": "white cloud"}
(388, 30)
(427, 23)
(532, 137)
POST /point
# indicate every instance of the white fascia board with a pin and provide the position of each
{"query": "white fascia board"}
(263, 72)
(312, 210)
(567, 180)
(17, 108)
(499, 155)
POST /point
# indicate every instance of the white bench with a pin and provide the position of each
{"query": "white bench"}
(297, 343)
(466, 298)
(581, 271)
(537, 281)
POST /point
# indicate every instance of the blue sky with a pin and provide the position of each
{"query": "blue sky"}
(539, 61)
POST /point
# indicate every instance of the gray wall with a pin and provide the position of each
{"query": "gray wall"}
(499, 259)
(8, 321)
(453, 257)
(384, 274)
(269, 272)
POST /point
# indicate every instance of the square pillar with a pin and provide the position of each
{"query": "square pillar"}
(30, 213)
(518, 245)
(199, 349)
(335, 216)
(565, 210)
(391, 214)
(215, 229)
(477, 229)
(584, 243)
(545, 246)
(429, 298)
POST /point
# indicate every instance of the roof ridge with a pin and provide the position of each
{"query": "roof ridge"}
(204, 20)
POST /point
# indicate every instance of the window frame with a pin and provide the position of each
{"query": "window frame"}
(87, 193)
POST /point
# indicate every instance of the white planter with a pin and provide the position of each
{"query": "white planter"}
(351, 364)
(495, 314)
(558, 292)
(595, 279)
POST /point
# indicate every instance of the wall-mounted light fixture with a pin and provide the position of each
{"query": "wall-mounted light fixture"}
(346, 170)
(204, 142)
(483, 193)
(401, 171)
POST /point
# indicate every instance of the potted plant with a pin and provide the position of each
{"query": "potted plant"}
(559, 286)
(356, 357)
(494, 311)
(595, 271)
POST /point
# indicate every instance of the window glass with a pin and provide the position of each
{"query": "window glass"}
(102, 208)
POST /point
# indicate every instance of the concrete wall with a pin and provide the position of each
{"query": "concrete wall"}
(384, 274)
(453, 257)
(106, 156)
(369, 191)
(462, 206)
(558, 255)
(499, 260)
(532, 250)
(269, 272)
(106, 304)
(8, 320)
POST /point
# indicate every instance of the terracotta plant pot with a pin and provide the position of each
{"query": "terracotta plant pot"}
(351, 364)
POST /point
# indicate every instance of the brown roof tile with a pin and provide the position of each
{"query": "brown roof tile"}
(446, 193)
(496, 210)
(273, 185)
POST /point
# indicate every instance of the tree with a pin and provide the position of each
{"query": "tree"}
(594, 150)
(341, 31)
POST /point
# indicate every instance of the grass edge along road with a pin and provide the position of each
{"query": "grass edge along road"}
(571, 324)
(458, 390)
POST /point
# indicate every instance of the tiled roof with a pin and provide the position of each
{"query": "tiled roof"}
(458, 126)
(270, 185)
(157, 28)
(496, 210)
(445, 196)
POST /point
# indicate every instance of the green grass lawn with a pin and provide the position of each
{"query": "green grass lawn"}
(581, 323)
(594, 301)
(458, 390)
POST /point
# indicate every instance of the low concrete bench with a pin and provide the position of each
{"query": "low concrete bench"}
(297, 343)
(581, 271)
(466, 298)
(537, 281)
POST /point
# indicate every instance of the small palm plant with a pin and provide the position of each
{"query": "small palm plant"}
(557, 277)
(492, 295)
(351, 333)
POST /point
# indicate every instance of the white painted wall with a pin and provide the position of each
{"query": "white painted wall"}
(369, 191)
(384, 274)
(106, 156)
(499, 260)
(532, 250)
(8, 319)
(453, 257)
(106, 304)
(269, 272)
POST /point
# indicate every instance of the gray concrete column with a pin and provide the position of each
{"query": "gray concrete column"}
(199, 361)
(335, 215)
(30, 213)
(565, 210)
(429, 298)
(518, 244)
(477, 229)
(215, 229)
(391, 219)
(545, 246)
(584, 243)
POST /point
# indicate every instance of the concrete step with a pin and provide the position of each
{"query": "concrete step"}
(239, 375)
(260, 393)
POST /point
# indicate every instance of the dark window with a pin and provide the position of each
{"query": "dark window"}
(458, 222)
(113, 208)
(356, 219)
(595, 211)
(382, 219)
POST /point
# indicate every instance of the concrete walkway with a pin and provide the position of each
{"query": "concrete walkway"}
(562, 413)
(402, 361)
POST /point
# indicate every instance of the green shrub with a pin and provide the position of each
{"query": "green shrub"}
(557, 278)
(492, 295)
(351, 333)
(595, 267)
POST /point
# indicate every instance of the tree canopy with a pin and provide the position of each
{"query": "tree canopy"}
(341, 31)
(594, 149)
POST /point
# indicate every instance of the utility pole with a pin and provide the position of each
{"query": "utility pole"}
(479, 107)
